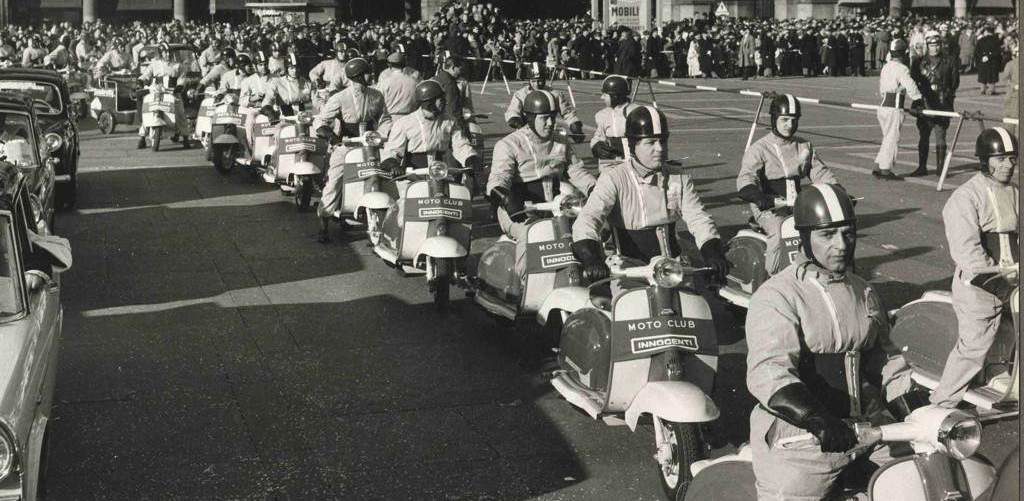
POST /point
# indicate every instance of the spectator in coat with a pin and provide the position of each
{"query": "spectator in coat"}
(746, 53)
(967, 50)
(882, 39)
(988, 57)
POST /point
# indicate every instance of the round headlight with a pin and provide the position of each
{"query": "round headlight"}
(437, 171)
(668, 273)
(304, 117)
(6, 455)
(960, 435)
(373, 138)
(571, 204)
(53, 142)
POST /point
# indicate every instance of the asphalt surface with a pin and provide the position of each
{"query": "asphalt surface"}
(213, 350)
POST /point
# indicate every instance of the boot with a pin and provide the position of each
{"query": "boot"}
(142, 143)
(922, 163)
(940, 159)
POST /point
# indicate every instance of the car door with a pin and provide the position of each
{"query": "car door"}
(43, 303)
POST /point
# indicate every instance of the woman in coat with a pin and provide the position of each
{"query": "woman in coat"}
(988, 58)
(745, 53)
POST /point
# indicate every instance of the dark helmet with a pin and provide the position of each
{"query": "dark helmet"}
(784, 105)
(995, 142)
(823, 205)
(644, 122)
(396, 58)
(427, 93)
(898, 47)
(615, 85)
(540, 102)
(356, 70)
(536, 71)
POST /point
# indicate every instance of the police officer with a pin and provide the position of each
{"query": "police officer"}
(981, 228)
(253, 89)
(816, 335)
(773, 167)
(895, 84)
(359, 108)
(113, 60)
(277, 63)
(329, 75)
(290, 92)
(938, 77)
(606, 144)
(235, 74)
(424, 136)
(398, 84)
(226, 62)
(528, 164)
(640, 195)
(537, 80)
(210, 56)
(164, 74)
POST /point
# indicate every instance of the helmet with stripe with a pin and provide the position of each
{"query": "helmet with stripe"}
(540, 102)
(995, 142)
(644, 122)
(823, 205)
(538, 72)
(784, 105)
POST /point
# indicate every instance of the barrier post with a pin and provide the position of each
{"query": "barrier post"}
(501, 70)
(486, 77)
(949, 154)
(572, 97)
(635, 88)
(654, 99)
(753, 126)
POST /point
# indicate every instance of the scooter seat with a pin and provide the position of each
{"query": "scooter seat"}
(724, 481)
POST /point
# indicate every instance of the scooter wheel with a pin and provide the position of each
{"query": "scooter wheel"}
(683, 447)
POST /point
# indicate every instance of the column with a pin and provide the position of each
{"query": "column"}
(88, 11)
(595, 10)
(895, 8)
(960, 8)
(179, 10)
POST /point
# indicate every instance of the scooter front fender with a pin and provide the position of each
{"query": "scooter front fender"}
(568, 299)
(675, 401)
(304, 169)
(375, 200)
(440, 247)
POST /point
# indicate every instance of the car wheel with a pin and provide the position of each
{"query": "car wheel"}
(106, 122)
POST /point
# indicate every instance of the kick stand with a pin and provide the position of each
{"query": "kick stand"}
(753, 126)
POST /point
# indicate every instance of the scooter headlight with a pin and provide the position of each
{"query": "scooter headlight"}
(373, 138)
(668, 273)
(304, 118)
(571, 204)
(437, 171)
(53, 142)
(960, 435)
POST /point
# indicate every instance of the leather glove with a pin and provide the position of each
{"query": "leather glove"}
(576, 131)
(325, 133)
(592, 258)
(474, 164)
(604, 150)
(502, 197)
(713, 255)
(795, 405)
(754, 195)
(393, 166)
(515, 122)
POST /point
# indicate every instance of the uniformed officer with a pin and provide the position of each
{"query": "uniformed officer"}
(421, 137)
(398, 84)
(210, 56)
(235, 74)
(113, 60)
(938, 77)
(253, 89)
(639, 196)
(277, 63)
(329, 75)
(359, 108)
(528, 164)
(817, 334)
(226, 62)
(895, 84)
(290, 92)
(981, 228)
(163, 74)
(606, 144)
(537, 80)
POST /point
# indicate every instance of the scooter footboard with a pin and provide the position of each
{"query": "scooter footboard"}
(440, 247)
(675, 401)
(568, 299)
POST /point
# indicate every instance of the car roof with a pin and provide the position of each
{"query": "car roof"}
(34, 74)
(18, 100)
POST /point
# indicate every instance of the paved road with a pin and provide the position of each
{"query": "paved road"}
(214, 350)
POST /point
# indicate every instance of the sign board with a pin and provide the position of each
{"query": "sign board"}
(722, 10)
(625, 13)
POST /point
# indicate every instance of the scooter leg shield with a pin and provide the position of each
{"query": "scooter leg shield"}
(497, 270)
(585, 348)
(928, 328)
(746, 258)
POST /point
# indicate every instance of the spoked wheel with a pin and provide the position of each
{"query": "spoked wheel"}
(155, 134)
(303, 193)
(106, 123)
(374, 225)
(679, 445)
(224, 159)
(440, 285)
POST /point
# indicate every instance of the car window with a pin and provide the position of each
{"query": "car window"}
(11, 301)
(17, 144)
(38, 91)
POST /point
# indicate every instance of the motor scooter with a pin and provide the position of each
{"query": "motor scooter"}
(298, 159)
(227, 133)
(549, 267)
(158, 113)
(926, 331)
(367, 191)
(264, 134)
(204, 118)
(433, 234)
(652, 350)
(941, 467)
(747, 255)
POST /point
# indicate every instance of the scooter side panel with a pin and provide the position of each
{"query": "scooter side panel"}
(790, 244)
(628, 377)
(897, 480)
(497, 271)
(537, 284)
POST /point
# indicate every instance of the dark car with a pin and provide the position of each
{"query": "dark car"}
(57, 120)
(23, 145)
